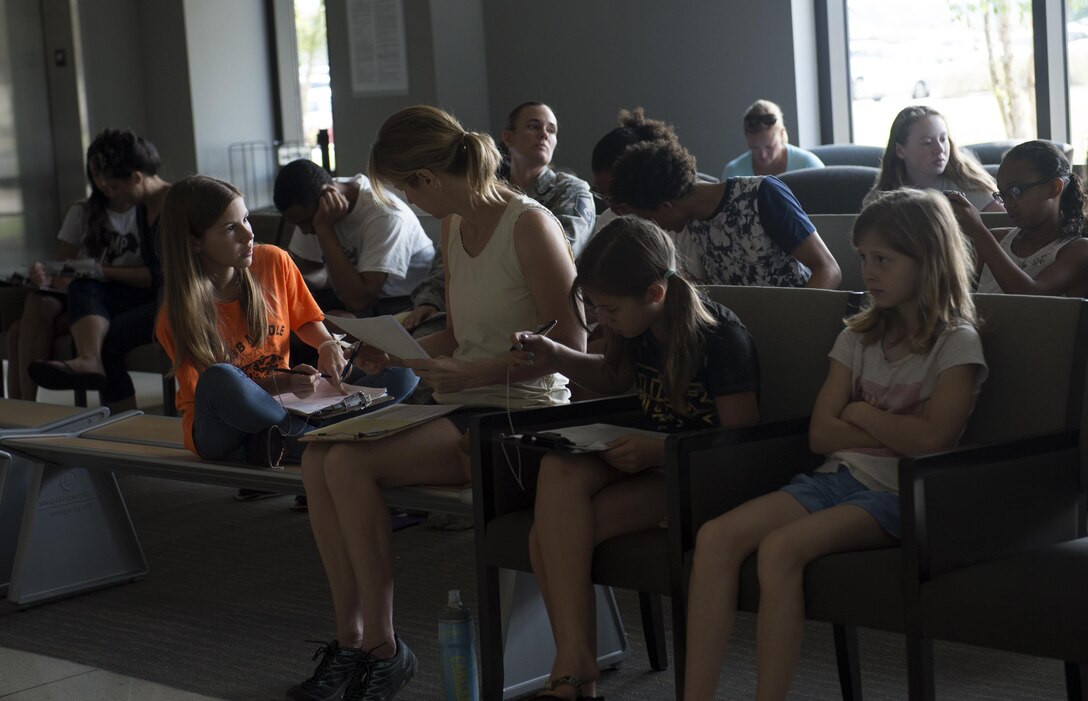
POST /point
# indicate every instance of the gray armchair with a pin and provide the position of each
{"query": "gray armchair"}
(849, 155)
(991, 152)
(831, 190)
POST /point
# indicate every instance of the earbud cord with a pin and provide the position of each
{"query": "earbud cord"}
(510, 421)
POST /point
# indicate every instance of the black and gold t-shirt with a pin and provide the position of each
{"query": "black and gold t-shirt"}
(730, 366)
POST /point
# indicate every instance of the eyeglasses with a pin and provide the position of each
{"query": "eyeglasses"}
(1015, 192)
(754, 121)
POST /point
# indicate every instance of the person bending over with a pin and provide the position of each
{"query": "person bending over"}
(744, 231)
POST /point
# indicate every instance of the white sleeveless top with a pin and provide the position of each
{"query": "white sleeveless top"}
(1033, 265)
(489, 301)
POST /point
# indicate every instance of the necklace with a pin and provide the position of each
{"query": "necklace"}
(231, 293)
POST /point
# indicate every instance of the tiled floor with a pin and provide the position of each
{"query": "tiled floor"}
(28, 677)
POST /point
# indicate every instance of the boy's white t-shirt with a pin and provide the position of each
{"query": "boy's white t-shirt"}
(900, 387)
(377, 239)
(123, 249)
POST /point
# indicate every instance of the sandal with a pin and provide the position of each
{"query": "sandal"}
(59, 375)
(567, 680)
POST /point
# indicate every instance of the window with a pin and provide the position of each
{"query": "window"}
(1076, 33)
(970, 60)
(315, 89)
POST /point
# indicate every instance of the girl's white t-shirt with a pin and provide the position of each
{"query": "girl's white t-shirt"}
(123, 249)
(901, 386)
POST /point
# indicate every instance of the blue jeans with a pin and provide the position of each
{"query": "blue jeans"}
(398, 382)
(131, 313)
(228, 407)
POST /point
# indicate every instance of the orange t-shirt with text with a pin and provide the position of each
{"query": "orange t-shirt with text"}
(290, 305)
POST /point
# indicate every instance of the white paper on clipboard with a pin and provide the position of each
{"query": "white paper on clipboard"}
(384, 333)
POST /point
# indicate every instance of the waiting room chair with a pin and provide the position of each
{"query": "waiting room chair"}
(991, 152)
(849, 155)
(831, 190)
(649, 562)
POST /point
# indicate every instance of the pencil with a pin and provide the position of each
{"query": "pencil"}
(544, 330)
(292, 371)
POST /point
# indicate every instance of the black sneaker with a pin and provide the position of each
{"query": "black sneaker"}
(332, 675)
(380, 680)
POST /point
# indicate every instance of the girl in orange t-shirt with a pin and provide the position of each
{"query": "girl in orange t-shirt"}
(228, 309)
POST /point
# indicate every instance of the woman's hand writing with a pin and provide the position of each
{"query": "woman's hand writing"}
(301, 383)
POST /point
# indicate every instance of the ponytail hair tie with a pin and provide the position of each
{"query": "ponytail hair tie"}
(669, 273)
(464, 144)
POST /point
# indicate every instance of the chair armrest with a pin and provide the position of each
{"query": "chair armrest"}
(495, 489)
(711, 472)
(983, 502)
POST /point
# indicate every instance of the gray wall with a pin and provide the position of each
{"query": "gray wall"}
(693, 63)
(113, 72)
(231, 91)
(358, 118)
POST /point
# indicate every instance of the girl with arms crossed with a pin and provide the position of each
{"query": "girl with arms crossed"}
(902, 380)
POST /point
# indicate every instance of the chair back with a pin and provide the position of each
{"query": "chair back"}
(836, 230)
(793, 329)
(1036, 350)
(991, 152)
(831, 190)
(849, 155)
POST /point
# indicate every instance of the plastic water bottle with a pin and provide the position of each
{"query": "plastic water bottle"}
(458, 640)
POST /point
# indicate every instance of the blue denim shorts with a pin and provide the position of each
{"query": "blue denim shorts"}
(826, 489)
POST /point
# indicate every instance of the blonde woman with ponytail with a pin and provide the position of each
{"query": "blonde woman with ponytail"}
(227, 312)
(694, 366)
(507, 267)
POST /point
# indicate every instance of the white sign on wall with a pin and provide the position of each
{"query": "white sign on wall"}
(379, 59)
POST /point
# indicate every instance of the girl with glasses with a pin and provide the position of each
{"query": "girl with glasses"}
(769, 150)
(921, 154)
(1045, 252)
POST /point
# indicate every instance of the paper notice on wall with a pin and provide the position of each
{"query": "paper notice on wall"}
(379, 58)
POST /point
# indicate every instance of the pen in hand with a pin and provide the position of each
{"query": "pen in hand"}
(292, 371)
(544, 330)
(351, 359)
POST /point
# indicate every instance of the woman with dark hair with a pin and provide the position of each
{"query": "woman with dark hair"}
(693, 365)
(1045, 252)
(530, 137)
(109, 243)
(920, 153)
(634, 128)
(769, 148)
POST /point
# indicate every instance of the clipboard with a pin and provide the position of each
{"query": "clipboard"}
(589, 438)
(379, 424)
(326, 403)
